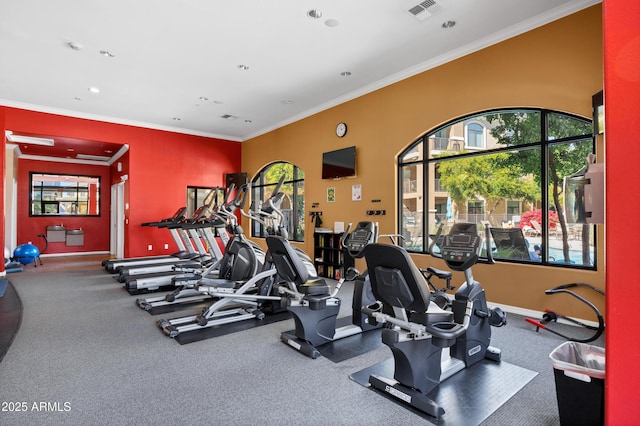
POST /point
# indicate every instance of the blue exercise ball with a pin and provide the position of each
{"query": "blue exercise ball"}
(26, 253)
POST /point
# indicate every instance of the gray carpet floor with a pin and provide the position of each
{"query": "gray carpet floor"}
(87, 355)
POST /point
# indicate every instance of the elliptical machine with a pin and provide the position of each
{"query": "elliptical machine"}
(316, 311)
(239, 300)
(418, 330)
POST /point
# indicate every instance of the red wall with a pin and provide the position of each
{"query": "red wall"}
(3, 166)
(96, 229)
(159, 164)
(622, 115)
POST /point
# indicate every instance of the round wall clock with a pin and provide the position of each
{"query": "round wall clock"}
(341, 130)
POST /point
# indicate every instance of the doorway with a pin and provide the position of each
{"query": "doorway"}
(117, 220)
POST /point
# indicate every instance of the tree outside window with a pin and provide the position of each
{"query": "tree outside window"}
(525, 158)
(262, 187)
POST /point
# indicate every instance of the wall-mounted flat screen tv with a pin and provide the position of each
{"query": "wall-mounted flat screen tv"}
(339, 163)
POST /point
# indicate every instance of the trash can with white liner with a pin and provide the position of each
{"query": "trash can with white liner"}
(579, 371)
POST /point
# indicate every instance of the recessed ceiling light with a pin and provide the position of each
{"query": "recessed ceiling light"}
(203, 98)
(94, 90)
(332, 22)
(448, 24)
(345, 73)
(107, 54)
(70, 149)
(78, 98)
(247, 121)
(176, 119)
(243, 67)
(314, 13)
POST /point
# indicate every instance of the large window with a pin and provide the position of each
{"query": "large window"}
(58, 194)
(292, 207)
(196, 197)
(514, 165)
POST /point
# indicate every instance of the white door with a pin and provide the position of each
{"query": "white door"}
(117, 220)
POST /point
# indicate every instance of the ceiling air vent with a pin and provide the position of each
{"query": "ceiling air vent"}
(425, 9)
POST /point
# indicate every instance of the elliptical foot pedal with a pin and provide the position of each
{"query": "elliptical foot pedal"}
(300, 345)
(168, 329)
(143, 304)
(258, 314)
(497, 317)
(407, 395)
(493, 354)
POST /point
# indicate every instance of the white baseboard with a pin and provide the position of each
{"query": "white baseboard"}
(80, 253)
(530, 313)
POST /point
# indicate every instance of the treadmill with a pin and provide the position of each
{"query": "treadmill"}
(199, 228)
(195, 230)
(113, 265)
(136, 284)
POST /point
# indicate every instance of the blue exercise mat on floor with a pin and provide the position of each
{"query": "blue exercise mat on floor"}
(4, 283)
(10, 315)
(469, 396)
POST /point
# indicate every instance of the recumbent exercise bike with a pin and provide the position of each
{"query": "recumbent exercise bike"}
(418, 329)
(315, 313)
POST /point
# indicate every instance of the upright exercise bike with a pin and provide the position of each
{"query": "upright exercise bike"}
(316, 311)
(419, 330)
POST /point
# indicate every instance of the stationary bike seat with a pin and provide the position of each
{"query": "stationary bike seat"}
(314, 288)
(439, 272)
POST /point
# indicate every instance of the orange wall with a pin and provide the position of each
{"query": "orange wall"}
(160, 166)
(533, 69)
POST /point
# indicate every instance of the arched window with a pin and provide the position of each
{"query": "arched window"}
(263, 185)
(512, 173)
(475, 135)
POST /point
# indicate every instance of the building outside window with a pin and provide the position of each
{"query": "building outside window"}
(59, 194)
(512, 171)
(475, 136)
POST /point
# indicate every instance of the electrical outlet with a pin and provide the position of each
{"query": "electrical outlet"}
(149, 247)
(166, 246)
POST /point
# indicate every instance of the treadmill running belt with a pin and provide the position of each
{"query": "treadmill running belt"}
(223, 329)
(469, 396)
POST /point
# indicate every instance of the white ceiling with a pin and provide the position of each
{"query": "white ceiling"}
(179, 59)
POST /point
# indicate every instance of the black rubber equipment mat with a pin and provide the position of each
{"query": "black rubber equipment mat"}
(234, 327)
(178, 307)
(469, 396)
(351, 346)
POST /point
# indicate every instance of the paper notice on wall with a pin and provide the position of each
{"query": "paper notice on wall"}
(338, 227)
(356, 192)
